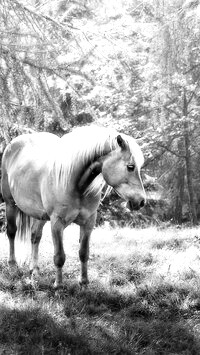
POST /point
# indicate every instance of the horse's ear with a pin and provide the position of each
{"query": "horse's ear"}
(121, 142)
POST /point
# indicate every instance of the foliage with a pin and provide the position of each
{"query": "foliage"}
(130, 64)
(113, 210)
(33, 77)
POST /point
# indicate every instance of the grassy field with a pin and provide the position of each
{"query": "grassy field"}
(144, 296)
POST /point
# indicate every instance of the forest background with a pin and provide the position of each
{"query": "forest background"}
(130, 64)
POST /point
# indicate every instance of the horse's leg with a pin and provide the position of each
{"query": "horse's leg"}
(11, 228)
(57, 228)
(36, 234)
(85, 232)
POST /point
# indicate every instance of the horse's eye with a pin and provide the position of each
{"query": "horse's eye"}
(130, 167)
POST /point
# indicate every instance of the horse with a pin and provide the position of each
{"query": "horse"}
(48, 178)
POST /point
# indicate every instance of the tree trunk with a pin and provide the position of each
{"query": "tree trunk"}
(180, 193)
(188, 162)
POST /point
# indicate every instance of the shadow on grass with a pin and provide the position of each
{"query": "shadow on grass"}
(149, 322)
(98, 320)
(35, 332)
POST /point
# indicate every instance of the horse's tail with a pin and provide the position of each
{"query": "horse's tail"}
(23, 235)
(24, 224)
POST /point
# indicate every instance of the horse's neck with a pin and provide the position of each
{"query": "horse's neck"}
(89, 175)
(94, 167)
(82, 171)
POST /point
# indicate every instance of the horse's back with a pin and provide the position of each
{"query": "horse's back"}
(25, 147)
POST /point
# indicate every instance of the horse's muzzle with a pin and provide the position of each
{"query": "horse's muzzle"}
(135, 206)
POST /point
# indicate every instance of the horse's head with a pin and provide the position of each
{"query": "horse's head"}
(121, 170)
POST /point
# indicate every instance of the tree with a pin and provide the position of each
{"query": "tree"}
(31, 51)
(132, 64)
(176, 94)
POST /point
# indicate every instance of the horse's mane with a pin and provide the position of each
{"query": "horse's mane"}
(81, 146)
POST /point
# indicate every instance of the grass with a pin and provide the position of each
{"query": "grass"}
(144, 296)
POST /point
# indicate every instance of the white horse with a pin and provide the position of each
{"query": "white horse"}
(60, 179)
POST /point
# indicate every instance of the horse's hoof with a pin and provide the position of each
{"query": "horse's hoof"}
(35, 273)
(84, 284)
(57, 286)
(58, 289)
(12, 264)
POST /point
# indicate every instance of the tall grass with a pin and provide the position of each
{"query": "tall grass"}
(143, 298)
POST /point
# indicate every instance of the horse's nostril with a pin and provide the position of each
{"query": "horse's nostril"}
(142, 203)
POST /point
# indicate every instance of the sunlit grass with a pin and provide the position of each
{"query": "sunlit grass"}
(143, 297)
